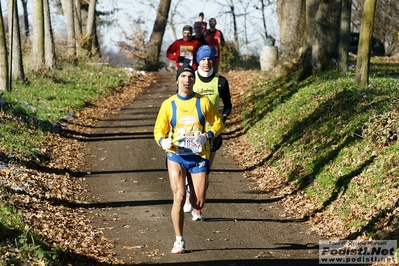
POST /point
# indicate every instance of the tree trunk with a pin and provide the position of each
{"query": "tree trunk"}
(38, 34)
(264, 18)
(67, 7)
(17, 68)
(366, 35)
(95, 44)
(3, 55)
(325, 34)
(233, 16)
(90, 24)
(24, 4)
(309, 32)
(84, 15)
(77, 11)
(344, 35)
(78, 19)
(291, 17)
(49, 48)
(155, 42)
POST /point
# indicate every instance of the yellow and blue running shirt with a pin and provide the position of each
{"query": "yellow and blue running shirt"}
(182, 118)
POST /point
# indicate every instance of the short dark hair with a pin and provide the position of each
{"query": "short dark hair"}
(188, 28)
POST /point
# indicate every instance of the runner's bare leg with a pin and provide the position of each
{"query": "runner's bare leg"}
(177, 179)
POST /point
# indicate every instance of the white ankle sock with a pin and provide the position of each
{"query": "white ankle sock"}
(179, 238)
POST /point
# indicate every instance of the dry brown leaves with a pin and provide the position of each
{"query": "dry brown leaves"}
(295, 203)
(239, 147)
(47, 196)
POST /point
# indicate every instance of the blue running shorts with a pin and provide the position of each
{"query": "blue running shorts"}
(193, 163)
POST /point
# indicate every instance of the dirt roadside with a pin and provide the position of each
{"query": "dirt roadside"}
(131, 199)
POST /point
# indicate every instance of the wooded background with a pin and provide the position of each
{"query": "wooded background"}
(312, 33)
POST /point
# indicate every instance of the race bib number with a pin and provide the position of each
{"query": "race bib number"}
(186, 146)
(186, 51)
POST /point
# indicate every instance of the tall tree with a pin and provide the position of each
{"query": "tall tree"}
(292, 18)
(78, 18)
(155, 42)
(344, 35)
(366, 35)
(309, 28)
(49, 47)
(3, 55)
(91, 17)
(386, 26)
(90, 31)
(263, 17)
(17, 68)
(77, 7)
(324, 33)
(67, 7)
(38, 34)
(95, 44)
(234, 18)
(24, 4)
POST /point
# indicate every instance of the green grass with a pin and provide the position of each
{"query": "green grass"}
(33, 107)
(28, 113)
(335, 141)
(26, 243)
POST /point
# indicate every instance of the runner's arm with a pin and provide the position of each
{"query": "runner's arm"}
(213, 117)
(224, 92)
(161, 127)
(173, 51)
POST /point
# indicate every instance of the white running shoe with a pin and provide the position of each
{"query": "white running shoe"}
(179, 247)
(197, 215)
(187, 205)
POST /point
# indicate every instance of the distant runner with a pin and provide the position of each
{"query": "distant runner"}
(184, 50)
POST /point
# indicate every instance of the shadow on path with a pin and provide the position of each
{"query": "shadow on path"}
(131, 204)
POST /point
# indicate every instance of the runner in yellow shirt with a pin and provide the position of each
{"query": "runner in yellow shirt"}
(180, 130)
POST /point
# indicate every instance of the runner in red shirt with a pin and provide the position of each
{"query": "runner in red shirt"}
(214, 38)
(184, 50)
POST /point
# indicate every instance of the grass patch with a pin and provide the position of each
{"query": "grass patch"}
(336, 142)
(25, 244)
(35, 107)
(31, 111)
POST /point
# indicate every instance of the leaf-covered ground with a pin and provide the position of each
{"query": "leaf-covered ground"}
(46, 195)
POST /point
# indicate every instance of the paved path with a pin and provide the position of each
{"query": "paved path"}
(132, 200)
